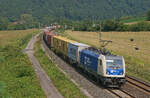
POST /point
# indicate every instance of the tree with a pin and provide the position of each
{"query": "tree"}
(3, 23)
(110, 25)
(148, 15)
(11, 27)
(27, 20)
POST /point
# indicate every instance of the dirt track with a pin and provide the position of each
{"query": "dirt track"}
(46, 83)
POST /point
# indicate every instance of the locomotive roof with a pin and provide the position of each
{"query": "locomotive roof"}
(97, 51)
(113, 57)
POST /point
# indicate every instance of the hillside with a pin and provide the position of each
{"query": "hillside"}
(73, 9)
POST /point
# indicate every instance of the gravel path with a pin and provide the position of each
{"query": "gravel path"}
(88, 87)
(46, 83)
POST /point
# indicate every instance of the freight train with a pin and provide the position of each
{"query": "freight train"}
(108, 69)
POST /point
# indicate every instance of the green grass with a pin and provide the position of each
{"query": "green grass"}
(24, 41)
(17, 77)
(61, 82)
(134, 19)
(2, 86)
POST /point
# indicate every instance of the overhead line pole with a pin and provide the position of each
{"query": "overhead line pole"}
(103, 43)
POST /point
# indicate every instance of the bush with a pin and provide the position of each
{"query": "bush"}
(122, 27)
(133, 27)
(110, 25)
(16, 27)
(20, 27)
(148, 15)
(11, 27)
(22, 71)
(141, 26)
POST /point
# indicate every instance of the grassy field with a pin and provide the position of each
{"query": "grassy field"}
(134, 19)
(137, 61)
(17, 77)
(61, 82)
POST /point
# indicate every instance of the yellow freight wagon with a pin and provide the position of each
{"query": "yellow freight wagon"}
(60, 44)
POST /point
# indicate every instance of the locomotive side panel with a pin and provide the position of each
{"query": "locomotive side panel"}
(89, 60)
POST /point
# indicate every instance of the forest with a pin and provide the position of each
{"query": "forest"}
(44, 10)
(22, 14)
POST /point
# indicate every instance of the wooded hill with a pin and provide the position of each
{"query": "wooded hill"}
(46, 10)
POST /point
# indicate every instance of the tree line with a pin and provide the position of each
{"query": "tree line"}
(27, 21)
(108, 25)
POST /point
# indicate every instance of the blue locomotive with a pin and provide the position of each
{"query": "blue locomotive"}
(108, 69)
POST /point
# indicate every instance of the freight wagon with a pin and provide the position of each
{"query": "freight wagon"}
(60, 45)
(73, 51)
(50, 39)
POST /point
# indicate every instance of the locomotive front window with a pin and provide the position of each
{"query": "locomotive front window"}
(114, 63)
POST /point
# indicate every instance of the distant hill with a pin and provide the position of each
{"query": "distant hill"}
(73, 9)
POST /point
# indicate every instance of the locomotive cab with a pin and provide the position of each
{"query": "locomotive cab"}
(113, 71)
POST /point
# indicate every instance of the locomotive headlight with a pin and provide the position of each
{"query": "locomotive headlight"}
(112, 71)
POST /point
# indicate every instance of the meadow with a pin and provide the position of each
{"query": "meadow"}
(134, 19)
(137, 61)
(17, 77)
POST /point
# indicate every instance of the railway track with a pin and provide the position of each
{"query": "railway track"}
(143, 88)
(120, 93)
(133, 88)
(138, 84)
(114, 91)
